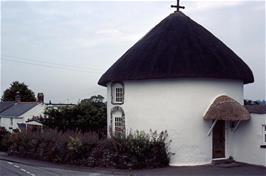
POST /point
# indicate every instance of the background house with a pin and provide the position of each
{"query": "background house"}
(13, 113)
(250, 138)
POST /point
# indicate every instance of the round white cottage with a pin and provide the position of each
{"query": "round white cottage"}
(169, 79)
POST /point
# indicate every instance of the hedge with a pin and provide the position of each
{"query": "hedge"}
(135, 151)
(4, 139)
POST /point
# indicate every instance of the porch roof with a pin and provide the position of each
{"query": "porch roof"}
(226, 108)
(33, 122)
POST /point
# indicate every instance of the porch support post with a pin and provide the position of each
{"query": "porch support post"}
(238, 122)
(211, 128)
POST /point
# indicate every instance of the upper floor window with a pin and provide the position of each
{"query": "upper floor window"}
(117, 93)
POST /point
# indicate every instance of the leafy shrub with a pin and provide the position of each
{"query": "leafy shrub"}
(142, 150)
(137, 150)
(4, 136)
(89, 115)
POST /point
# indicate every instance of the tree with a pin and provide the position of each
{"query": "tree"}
(26, 94)
(87, 116)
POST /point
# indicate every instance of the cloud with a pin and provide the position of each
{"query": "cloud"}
(116, 35)
(109, 32)
(205, 5)
(95, 34)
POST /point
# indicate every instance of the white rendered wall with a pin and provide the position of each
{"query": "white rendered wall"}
(37, 110)
(247, 141)
(6, 122)
(177, 106)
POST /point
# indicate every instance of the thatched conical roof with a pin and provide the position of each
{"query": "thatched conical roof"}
(178, 47)
(226, 108)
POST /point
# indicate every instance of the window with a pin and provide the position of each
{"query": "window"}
(119, 126)
(11, 121)
(117, 122)
(119, 94)
(117, 90)
(264, 134)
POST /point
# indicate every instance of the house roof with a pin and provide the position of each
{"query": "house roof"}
(18, 109)
(178, 47)
(5, 105)
(226, 108)
(256, 109)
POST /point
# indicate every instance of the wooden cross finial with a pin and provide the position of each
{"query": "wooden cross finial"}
(177, 6)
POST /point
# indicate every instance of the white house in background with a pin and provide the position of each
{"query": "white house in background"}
(250, 139)
(14, 113)
(181, 78)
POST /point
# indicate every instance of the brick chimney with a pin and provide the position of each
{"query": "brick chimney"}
(18, 97)
(40, 97)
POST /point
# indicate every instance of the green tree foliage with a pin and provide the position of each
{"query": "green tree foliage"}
(88, 116)
(26, 94)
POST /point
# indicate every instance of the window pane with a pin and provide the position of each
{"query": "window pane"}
(119, 94)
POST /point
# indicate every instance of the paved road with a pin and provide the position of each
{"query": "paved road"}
(10, 166)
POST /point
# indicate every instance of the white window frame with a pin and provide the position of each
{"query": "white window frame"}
(119, 94)
(119, 125)
(264, 134)
(117, 122)
(117, 91)
(11, 122)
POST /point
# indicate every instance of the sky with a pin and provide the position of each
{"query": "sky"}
(62, 48)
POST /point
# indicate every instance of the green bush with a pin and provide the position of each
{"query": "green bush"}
(4, 136)
(89, 115)
(142, 150)
(137, 150)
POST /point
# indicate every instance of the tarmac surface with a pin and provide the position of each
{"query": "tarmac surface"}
(14, 166)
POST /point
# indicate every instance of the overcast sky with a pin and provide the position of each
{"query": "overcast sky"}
(61, 48)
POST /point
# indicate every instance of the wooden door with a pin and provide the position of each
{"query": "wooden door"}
(218, 140)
